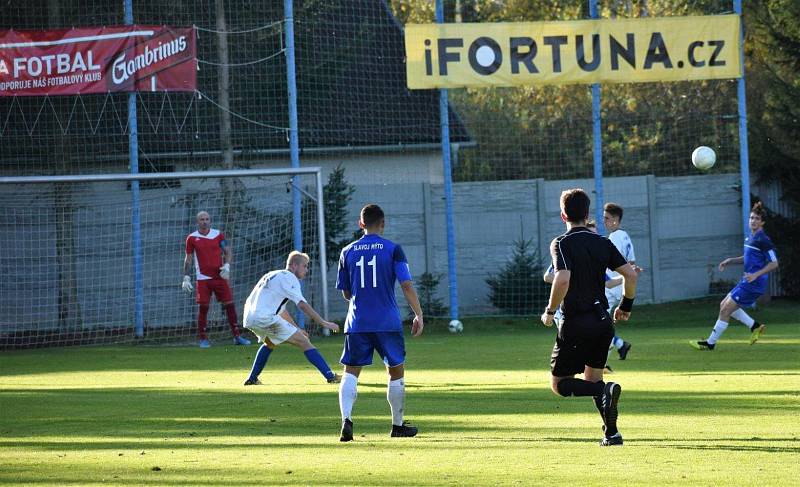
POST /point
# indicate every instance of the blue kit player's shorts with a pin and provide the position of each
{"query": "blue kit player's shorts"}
(359, 347)
(744, 296)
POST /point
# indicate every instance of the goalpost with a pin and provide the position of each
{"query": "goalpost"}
(71, 274)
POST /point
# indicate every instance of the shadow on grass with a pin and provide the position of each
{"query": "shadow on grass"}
(429, 439)
(657, 350)
(746, 448)
(159, 414)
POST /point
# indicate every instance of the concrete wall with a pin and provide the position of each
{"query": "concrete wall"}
(681, 228)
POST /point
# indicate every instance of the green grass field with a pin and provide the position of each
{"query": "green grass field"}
(180, 416)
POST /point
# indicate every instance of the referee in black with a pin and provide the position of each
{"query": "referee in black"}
(580, 259)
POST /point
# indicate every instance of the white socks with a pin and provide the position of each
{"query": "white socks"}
(347, 395)
(618, 342)
(745, 318)
(719, 328)
(396, 395)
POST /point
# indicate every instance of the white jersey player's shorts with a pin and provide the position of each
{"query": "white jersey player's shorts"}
(277, 329)
(614, 297)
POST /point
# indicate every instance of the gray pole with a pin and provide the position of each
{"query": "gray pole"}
(444, 121)
(294, 143)
(323, 253)
(744, 152)
(136, 225)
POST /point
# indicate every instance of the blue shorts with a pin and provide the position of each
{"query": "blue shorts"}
(744, 296)
(359, 347)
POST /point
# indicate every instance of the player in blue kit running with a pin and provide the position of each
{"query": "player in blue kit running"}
(759, 259)
(368, 269)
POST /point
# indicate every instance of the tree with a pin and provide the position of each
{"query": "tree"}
(519, 288)
(431, 304)
(773, 83)
(337, 194)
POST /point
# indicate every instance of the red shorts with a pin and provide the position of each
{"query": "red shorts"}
(219, 287)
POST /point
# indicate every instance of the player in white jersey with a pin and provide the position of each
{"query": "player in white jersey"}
(265, 315)
(612, 218)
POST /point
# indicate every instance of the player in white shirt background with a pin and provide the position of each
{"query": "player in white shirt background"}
(612, 218)
(265, 315)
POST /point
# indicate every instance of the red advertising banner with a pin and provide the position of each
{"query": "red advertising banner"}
(97, 60)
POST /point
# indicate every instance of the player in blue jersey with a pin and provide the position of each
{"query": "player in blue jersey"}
(759, 259)
(368, 269)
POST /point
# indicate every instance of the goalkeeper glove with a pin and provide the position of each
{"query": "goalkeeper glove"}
(225, 271)
(187, 284)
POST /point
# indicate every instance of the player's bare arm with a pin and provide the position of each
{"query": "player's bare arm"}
(186, 285)
(347, 295)
(288, 317)
(771, 266)
(307, 309)
(187, 264)
(413, 300)
(731, 260)
(557, 293)
(618, 281)
(629, 279)
(227, 256)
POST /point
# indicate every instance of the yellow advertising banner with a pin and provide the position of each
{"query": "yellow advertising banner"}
(580, 51)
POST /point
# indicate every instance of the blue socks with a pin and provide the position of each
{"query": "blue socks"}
(261, 360)
(312, 356)
(316, 359)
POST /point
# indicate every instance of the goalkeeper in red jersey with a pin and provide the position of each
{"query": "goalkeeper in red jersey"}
(207, 247)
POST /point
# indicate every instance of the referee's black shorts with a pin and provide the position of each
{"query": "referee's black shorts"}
(582, 340)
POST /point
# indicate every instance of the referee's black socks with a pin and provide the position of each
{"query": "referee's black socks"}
(579, 387)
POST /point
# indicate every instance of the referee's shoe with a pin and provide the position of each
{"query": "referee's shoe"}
(612, 440)
(610, 398)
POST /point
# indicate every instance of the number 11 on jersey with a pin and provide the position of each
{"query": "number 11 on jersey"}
(374, 264)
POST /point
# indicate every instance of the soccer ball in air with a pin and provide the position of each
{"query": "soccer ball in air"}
(455, 326)
(704, 158)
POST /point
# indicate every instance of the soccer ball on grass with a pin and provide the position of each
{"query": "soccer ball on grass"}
(704, 158)
(455, 326)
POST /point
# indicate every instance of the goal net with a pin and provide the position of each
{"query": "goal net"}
(76, 270)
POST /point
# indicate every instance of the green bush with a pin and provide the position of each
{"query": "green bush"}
(431, 304)
(519, 288)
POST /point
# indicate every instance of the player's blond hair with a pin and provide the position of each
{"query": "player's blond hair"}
(295, 256)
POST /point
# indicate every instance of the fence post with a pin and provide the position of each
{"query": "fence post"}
(744, 154)
(652, 215)
(541, 221)
(427, 220)
(444, 120)
(294, 143)
(136, 230)
(597, 138)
